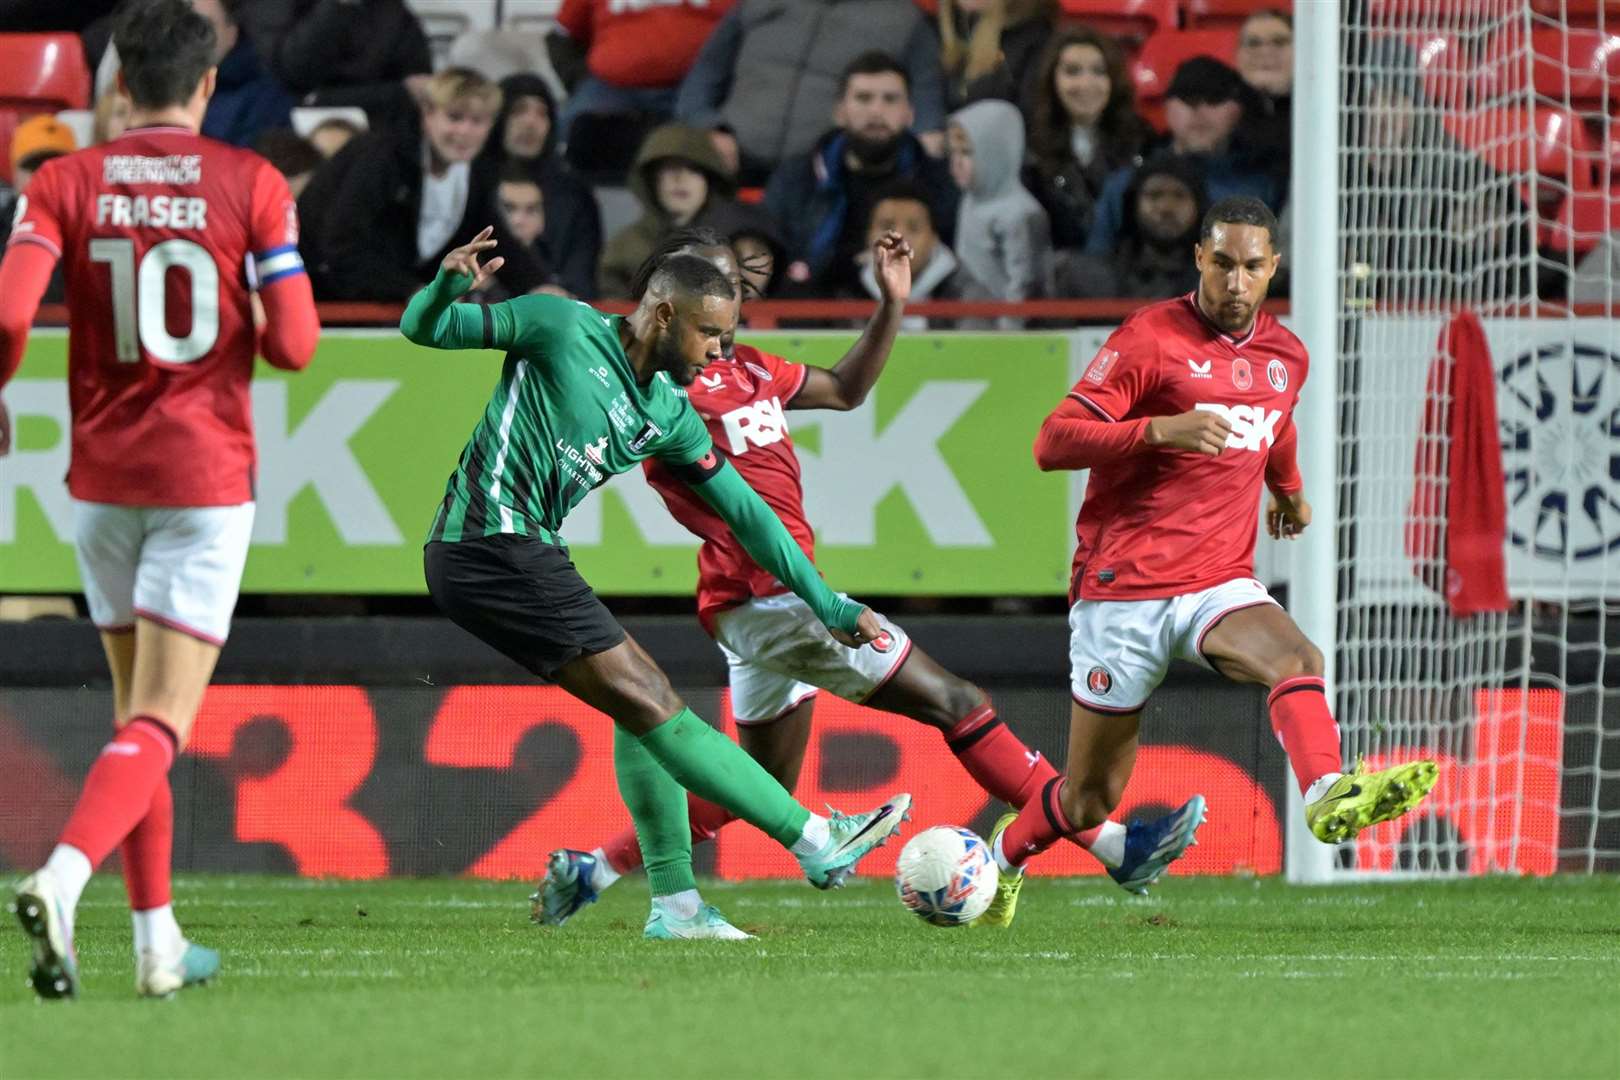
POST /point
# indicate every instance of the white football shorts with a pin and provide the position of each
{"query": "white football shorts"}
(179, 567)
(780, 654)
(1119, 650)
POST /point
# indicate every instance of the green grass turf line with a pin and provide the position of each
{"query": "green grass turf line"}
(447, 978)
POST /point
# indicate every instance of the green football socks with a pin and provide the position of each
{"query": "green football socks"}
(711, 766)
(657, 805)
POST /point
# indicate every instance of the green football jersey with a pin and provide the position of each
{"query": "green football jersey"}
(566, 415)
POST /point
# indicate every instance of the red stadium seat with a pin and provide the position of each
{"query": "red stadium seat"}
(1581, 13)
(43, 72)
(1134, 19)
(1584, 219)
(1510, 139)
(1227, 14)
(1578, 63)
(1153, 68)
(38, 73)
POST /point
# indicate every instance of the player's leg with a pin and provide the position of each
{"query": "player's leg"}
(997, 759)
(175, 574)
(624, 683)
(185, 594)
(526, 599)
(576, 878)
(1260, 643)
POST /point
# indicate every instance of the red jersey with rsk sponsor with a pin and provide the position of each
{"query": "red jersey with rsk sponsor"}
(1163, 523)
(744, 402)
(154, 229)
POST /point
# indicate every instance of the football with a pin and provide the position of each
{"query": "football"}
(946, 876)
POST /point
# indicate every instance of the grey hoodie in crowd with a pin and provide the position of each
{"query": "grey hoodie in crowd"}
(1003, 237)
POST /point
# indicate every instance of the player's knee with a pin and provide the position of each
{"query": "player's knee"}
(953, 699)
(1087, 802)
(1303, 659)
(648, 699)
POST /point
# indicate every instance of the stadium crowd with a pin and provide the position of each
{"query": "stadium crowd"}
(1003, 139)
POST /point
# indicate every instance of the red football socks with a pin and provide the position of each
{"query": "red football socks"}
(1305, 727)
(624, 851)
(145, 852)
(1040, 824)
(997, 759)
(119, 790)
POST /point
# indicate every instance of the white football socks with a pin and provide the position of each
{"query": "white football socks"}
(817, 833)
(604, 874)
(682, 905)
(1001, 859)
(71, 868)
(1319, 786)
(157, 931)
(1109, 847)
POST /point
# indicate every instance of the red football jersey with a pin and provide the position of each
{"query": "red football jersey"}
(154, 230)
(1163, 523)
(744, 401)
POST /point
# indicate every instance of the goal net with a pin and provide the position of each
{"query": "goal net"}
(1478, 380)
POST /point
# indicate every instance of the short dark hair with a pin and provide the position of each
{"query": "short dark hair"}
(165, 48)
(513, 171)
(679, 240)
(692, 276)
(1239, 210)
(873, 62)
(289, 152)
(907, 190)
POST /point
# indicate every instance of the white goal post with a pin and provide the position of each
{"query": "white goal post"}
(1455, 159)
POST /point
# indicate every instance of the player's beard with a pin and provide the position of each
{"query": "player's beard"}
(667, 356)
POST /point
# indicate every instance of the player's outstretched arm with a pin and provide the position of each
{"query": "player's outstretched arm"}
(433, 317)
(844, 386)
(770, 545)
(24, 273)
(1287, 514)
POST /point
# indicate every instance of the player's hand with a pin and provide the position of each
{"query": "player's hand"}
(464, 259)
(5, 429)
(1198, 431)
(867, 630)
(891, 264)
(1287, 516)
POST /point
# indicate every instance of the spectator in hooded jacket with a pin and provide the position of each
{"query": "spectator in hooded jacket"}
(526, 133)
(1164, 209)
(823, 198)
(681, 183)
(1002, 235)
(770, 75)
(1083, 126)
(1204, 110)
(383, 213)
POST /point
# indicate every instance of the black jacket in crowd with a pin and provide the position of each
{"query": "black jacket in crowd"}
(359, 217)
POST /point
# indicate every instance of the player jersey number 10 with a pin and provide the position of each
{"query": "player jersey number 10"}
(139, 299)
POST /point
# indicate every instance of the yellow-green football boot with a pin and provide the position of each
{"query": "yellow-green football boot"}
(1005, 905)
(1361, 799)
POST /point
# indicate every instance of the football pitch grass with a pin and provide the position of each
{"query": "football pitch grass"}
(447, 978)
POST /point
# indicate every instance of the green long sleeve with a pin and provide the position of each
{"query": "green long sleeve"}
(433, 318)
(769, 544)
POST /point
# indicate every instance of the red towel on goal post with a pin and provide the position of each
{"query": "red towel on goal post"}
(1456, 528)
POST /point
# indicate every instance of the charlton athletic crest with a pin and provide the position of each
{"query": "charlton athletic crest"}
(1099, 682)
(1277, 376)
(883, 642)
(1242, 377)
